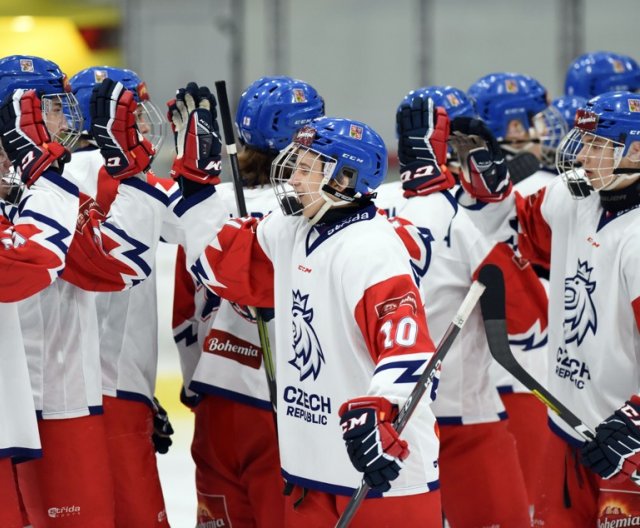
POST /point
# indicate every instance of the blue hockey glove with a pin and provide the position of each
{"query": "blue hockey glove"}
(423, 131)
(616, 447)
(373, 445)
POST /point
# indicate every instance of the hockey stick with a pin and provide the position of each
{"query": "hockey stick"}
(492, 305)
(424, 382)
(230, 144)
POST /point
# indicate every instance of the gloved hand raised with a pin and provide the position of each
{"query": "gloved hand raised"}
(125, 150)
(484, 171)
(373, 445)
(193, 118)
(423, 131)
(616, 448)
(26, 139)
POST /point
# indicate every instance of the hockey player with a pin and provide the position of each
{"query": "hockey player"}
(508, 105)
(70, 485)
(473, 432)
(128, 331)
(336, 344)
(35, 236)
(597, 72)
(238, 474)
(591, 248)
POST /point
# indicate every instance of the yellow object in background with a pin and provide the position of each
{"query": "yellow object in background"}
(54, 38)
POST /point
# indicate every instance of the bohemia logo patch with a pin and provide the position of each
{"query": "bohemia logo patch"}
(232, 347)
(214, 514)
(616, 516)
(308, 356)
(579, 311)
(391, 305)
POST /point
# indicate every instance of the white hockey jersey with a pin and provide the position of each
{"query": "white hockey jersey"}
(228, 348)
(498, 222)
(35, 238)
(349, 322)
(115, 252)
(455, 248)
(594, 299)
(128, 321)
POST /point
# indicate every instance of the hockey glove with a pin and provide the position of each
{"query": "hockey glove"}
(484, 171)
(113, 126)
(616, 447)
(25, 137)
(373, 445)
(423, 131)
(162, 429)
(193, 119)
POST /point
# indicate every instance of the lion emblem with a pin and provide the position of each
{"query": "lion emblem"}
(308, 356)
(579, 311)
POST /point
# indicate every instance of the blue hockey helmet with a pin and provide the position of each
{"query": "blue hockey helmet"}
(150, 122)
(272, 108)
(60, 110)
(554, 122)
(350, 153)
(501, 98)
(595, 73)
(453, 100)
(590, 155)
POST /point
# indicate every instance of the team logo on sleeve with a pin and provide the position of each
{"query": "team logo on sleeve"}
(579, 311)
(308, 356)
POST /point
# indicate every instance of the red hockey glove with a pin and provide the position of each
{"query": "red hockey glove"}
(423, 131)
(484, 170)
(162, 429)
(25, 137)
(193, 119)
(113, 126)
(616, 447)
(373, 445)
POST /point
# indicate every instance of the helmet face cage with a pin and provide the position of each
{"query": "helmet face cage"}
(61, 114)
(587, 161)
(307, 162)
(550, 127)
(11, 186)
(150, 123)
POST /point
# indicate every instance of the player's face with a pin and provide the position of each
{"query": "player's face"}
(141, 120)
(54, 117)
(306, 180)
(597, 160)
